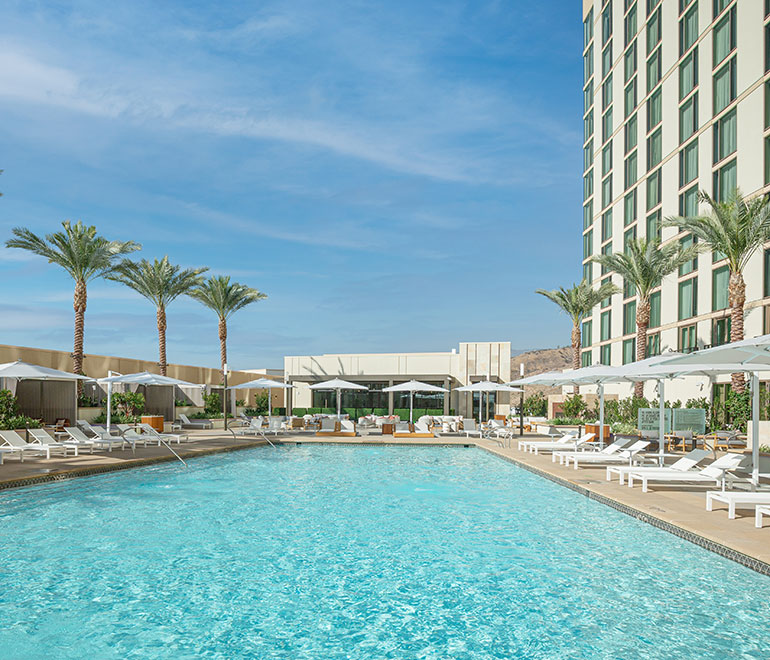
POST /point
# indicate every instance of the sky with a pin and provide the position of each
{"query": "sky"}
(396, 176)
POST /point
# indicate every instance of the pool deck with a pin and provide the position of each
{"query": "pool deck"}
(679, 509)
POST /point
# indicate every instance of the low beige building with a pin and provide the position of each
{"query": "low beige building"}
(472, 362)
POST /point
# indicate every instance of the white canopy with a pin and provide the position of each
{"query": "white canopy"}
(413, 386)
(338, 385)
(263, 384)
(549, 378)
(145, 378)
(25, 371)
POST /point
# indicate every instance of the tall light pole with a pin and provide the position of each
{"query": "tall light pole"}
(521, 401)
(224, 397)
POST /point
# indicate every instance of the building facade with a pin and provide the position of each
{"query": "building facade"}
(473, 362)
(676, 100)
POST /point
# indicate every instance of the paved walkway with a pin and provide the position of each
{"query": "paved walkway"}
(679, 509)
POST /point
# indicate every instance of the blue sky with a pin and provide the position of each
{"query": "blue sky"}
(396, 176)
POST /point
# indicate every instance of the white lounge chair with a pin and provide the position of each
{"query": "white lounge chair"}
(348, 426)
(622, 455)
(761, 511)
(187, 423)
(328, 424)
(166, 437)
(470, 428)
(684, 464)
(105, 442)
(715, 473)
(23, 448)
(129, 433)
(42, 437)
(254, 427)
(90, 430)
(564, 440)
(737, 499)
(570, 442)
(616, 446)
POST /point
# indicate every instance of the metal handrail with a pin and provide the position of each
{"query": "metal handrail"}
(160, 439)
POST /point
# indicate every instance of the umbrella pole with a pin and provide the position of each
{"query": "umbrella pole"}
(662, 420)
(339, 397)
(269, 402)
(109, 402)
(601, 415)
(755, 428)
(411, 406)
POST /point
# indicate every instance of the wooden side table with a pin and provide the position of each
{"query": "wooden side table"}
(388, 429)
(155, 421)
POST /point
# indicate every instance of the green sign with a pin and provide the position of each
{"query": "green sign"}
(648, 419)
(690, 419)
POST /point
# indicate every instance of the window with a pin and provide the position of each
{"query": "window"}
(688, 203)
(720, 279)
(653, 31)
(607, 159)
(588, 214)
(688, 298)
(630, 98)
(688, 340)
(688, 30)
(585, 334)
(607, 225)
(629, 208)
(766, 287)
(605, 325)
(690, 266)
(605, 354)
(721, 331)
(651, 4)
(684, 4)
(654, 149)
(628, 236)
(588, 244)
(606, 22)
(607, 125)
(606, 92)
(607, 60)
(719, 6)
(629, 290)
(725, 136)
(655, 310)
(688, 163)
(725, 180)
(629, 318)
(588, 185)
(607, 192)
(767, 103)
(724, 86)
(588, 96)
(654, 70)
(588, 126)
(654, 110)
(630, 171)
(629, 350)
(588, 155)
(588, 272)
(767, 48)
(606, 250)
(767, 160)
(629, 62)
(588, 64)
(608, 299)
(630, 25)
(588, 28)
(586, 358)
(688, 118)
(724, 37)
(631, 134)
(688, 74)
(654, 226)
(653, 344)
(653, 190)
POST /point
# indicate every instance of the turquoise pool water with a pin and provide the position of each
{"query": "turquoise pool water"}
(333, 552)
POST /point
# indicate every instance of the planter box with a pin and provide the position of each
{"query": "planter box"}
(89, 414)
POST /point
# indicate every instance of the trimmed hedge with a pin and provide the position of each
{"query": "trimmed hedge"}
(355, 413)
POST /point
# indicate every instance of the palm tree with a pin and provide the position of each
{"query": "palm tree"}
(736, 227)
(643, 265)
(161, 283)
(577, 302)
(224, 298)
(84, 255)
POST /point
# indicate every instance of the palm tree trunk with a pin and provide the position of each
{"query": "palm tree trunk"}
(79, 303)
(642, 323)
(737, 297)
(223, 345)
(162, 340)
(576, 351)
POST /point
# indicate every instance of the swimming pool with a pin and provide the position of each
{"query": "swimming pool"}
(357, 552)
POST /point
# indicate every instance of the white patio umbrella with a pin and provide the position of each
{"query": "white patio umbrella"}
(748, 355)
(338, 385)
(486, 386)
(413, 386)
(263, 384)
(141, 378)
(25, 371)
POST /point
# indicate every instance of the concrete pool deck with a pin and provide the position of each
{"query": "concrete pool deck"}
(679, 509)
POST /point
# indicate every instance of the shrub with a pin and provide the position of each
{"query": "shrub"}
(566, 421)
(575, 407)
(130, 404)
(536, 405)
(738, 408)
(10, 417)
(212, 404)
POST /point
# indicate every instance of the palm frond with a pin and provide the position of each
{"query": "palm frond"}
(224, 297)
(578, 300)
(159, 281)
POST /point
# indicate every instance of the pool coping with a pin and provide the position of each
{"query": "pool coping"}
(706, 543)
(64, 475)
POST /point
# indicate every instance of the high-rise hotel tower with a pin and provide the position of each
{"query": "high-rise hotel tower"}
(676, 100)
